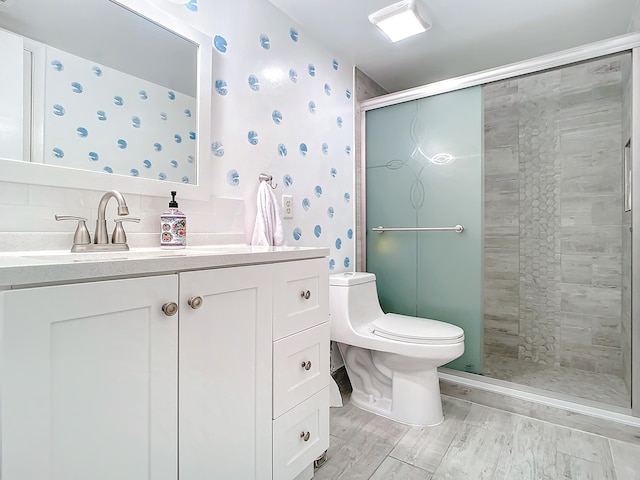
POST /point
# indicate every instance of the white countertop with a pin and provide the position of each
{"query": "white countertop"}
(60, 266)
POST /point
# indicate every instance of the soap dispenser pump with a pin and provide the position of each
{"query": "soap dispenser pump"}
(173, 226)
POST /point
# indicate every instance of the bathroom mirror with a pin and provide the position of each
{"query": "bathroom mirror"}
(109, 94)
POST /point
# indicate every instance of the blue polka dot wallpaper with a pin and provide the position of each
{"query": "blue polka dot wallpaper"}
(98, 118)
(282, 105)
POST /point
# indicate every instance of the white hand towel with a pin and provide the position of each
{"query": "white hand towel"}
(268, 227)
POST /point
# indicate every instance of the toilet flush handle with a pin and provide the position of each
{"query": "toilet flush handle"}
(306, 294)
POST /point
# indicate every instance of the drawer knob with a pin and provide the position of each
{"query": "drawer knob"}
(306, 294)
(195, 302)
(305, 436)
(170, 309)
(306, 365)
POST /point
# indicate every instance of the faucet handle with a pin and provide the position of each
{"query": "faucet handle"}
(81, 235)
(119, 236)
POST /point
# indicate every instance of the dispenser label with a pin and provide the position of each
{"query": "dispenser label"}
(173, 232)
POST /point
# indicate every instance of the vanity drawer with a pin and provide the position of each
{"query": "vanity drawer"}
(300, 367)
(300, 436)
(300, 297)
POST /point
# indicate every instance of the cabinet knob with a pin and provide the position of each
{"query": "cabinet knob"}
(170, 309)
(306, 365)
(306, 294)
(195, 302)
(305, 436)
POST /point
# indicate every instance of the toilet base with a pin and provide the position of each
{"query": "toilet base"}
(416, 400)
(412, 398)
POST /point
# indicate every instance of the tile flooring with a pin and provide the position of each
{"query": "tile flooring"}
(598, 387)
(473, 443)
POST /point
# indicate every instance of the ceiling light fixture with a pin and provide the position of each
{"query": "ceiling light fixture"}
(400, 20)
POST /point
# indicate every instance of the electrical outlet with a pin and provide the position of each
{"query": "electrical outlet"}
(287, 206)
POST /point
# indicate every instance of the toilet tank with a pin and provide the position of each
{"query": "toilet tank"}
(353, 302)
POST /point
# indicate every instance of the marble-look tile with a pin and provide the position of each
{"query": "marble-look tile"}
(424, 447)
(502, 284)
(574, 468)
(590, 300)
(565, 219)
(627, 474)
(626, 455)
(502, 311)
(580, 334)
(592, 358)
(491, 418)
(564, 379)
(591, 330)
(502, 325)
(501, 160)
(500, 264)
(392, 469)
(530, 451)
(606, 110)
(591, 210)
(546, 413)
(588, 240)
(364, 440)
(500, 94)
(332, 467)
(500, 344)
(590, 180)
(586, 446)
(350, 420)
(577, 268)
(477, 442)
(474, 453)
(607, 332)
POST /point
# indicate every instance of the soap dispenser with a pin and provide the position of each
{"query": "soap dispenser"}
(173, 226)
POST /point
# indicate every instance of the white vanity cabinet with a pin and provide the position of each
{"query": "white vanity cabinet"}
(225, 373)
(89, 381)
(300, 368)
(99, 381)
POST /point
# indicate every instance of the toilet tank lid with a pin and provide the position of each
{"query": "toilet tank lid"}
(347, 279)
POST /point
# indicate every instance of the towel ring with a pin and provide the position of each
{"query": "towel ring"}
(267, 178)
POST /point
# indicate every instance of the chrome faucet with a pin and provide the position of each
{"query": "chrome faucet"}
(101, 236)
(82, 239)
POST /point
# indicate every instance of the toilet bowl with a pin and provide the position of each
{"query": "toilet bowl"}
(391, 360)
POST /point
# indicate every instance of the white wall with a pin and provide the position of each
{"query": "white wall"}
(241, 52)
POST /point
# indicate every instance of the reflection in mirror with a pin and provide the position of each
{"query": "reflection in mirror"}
(100, 89)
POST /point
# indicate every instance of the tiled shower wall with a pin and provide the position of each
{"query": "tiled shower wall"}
(553, 217)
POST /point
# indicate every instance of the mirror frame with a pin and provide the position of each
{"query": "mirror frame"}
(20, 171)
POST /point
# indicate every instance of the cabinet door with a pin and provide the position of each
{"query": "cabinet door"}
(89, 381)
(225, 374)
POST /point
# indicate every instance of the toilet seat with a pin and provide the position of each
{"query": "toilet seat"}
(402, 328)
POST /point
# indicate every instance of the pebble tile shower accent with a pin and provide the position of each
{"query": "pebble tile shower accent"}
(553, 217)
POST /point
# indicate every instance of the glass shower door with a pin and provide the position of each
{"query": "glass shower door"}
(424, 169)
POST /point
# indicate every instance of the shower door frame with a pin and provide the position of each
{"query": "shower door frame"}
(624, 43)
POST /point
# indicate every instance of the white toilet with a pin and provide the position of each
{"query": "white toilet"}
(391, 359)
